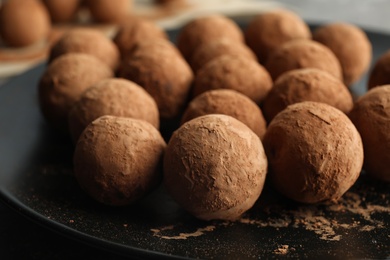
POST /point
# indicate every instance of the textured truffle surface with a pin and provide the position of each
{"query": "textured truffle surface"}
(64, 81)
(237, 73)
(24, 22)
(371, 116)
(113, 96)
(314, 151)
(62, 11)
(269, 30)
(351, 46)
(215, 167)
(109, 11)
(118, 161)
(298, 54)
(227, 102)
(380, 73)
(206, 29)
(163, 73)
(308, 84)
(89, 41)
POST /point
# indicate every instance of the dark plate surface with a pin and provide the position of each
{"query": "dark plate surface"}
(36, 180)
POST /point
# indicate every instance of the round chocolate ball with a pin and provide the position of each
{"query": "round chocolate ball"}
(217, 48)
(269, 30)
(371, 116)
(215, 167)
(380, 72)
(109, 11)
(237, 73)
(227, 102)
(298, 54)
(135, 30)
(351, 46)
(206, 29)
(89, 41)
(308, 84)
(314, 151)
(113, 96)
(118, 160)
(64, 81)
(24, 22)
(163, 73)
(62, 11)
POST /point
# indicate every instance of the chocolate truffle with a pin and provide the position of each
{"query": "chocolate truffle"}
(214, 49)
(62, 11)
(24, 22)
(227, 102)
(206, 29)
(118, 160)
(298, 54)
(314, 151)
(64, 81)
(164, 74)
(371, 116)
(89, 41)
(269, 30)
(237, 73)
(215, 167)
(351, 46)
(113, 96)
(308, 84)
(135, 30)
(109, 11)
(380, 72)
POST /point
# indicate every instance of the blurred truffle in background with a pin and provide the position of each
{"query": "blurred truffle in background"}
(62, 11)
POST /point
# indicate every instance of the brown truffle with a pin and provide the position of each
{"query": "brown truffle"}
(63, 83)
(135, 30)
(371, 116)
(314, 151)
(89, 41)
(227, 102)
(308, 84)
(351, 46)
(298, 54)
(163, 73)
(237, 73)
(109, 11)
(206, 29)
(116, 97)
(215, 167)
(24, 22)
(380, 72)
(118, 161)
(217, 48)
(269, 30)
(62, 11)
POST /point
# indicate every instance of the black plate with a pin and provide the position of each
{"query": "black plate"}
(36, 180)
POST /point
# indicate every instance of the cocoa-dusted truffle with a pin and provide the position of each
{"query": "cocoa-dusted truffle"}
(227, 102)
(206, 29)
(237, 73)
(371, 116)
(118, 161)
(163, 73)
(297, 54)
(113, 96)
(215, 167)
(380, 72)
(109, 11)
(314, 151)
(64, 81)
(62, 11)
(308, 84)
(89, 41)
(24, 22)
(217, 48)
(351, 46)
(135, 30)
(269, 30)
